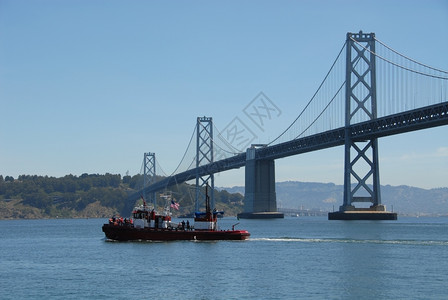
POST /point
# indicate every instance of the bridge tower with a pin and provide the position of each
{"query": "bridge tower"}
(260, 201)
(149, 175)
(204, 155)
(361, 156)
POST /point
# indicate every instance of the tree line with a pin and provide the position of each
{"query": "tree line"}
(74, 193)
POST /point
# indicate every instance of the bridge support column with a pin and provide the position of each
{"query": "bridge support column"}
(204, 155)
(361, 157)
(259, 199)
(149, 176)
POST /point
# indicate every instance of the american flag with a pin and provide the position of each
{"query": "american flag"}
(174, 205)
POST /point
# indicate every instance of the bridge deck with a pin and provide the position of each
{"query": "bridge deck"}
(417, 119)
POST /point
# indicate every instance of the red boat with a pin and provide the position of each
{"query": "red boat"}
(147, 225)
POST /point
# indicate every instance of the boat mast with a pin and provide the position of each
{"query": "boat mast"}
(207, 201)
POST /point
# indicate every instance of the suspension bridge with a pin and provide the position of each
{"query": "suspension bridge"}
(371, 92)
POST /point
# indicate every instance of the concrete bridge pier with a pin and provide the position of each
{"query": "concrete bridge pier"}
(259, 199)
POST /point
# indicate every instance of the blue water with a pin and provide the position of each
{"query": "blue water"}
(292, 258)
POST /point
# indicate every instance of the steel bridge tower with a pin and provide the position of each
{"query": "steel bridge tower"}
(360, 105)
(361, 156)
(204, 155)
(149, 175)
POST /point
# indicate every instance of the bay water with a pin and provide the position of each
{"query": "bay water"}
(291, 258)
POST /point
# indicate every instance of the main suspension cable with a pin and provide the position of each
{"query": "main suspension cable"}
(223, 139)
(408, 58)
(397, 65)
(321, 113)
(185, 153)
(312, 98)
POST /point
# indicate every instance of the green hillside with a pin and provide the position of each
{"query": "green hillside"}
(92, 196)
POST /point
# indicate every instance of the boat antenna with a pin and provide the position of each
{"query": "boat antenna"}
(207, 200)
(144, 202)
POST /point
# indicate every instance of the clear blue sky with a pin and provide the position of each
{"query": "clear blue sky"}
(89, 86)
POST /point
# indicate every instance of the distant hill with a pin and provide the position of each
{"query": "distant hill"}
(405, 200)
(99, 196)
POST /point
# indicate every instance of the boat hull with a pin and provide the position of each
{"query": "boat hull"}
(128, 233)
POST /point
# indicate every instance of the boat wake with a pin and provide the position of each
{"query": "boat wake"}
(351, 241)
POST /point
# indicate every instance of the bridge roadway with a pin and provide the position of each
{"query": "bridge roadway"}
(417, 119)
